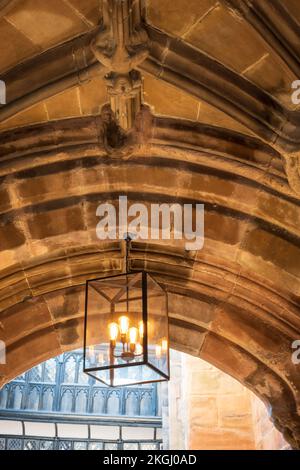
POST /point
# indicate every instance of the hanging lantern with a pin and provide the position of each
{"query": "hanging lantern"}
(126, 338)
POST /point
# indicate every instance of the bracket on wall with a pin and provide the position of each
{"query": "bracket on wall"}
(121, 46)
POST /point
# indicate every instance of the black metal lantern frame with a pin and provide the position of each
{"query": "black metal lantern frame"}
(126, 331)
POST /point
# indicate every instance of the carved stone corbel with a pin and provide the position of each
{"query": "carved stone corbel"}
(124, 91)
(121, 46)
(110, 134)
(122, 43)
(115, 140)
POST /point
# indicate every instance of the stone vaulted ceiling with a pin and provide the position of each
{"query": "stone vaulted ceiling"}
(202, 112)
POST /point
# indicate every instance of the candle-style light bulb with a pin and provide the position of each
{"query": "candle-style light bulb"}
(158, 351)
(133, 336)
(124, 325)
(113, 329)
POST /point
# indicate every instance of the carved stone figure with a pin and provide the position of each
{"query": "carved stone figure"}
(115, 140)
(121, 46)
(125, 97)
(110, 133)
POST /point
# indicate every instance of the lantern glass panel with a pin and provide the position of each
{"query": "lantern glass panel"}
(120, 335)
(158, 334)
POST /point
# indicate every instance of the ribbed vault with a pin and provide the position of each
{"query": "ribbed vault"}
(217, 133)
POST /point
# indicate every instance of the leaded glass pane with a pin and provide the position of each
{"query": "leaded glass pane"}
(46, 445)
(36, 374)
(80, 445)
(21, 378)
(149, 446)
(130, 446)
(96, 446)
(65, 445)
(14, 444)
(31, 445)
(50, 371)
(70, 398)
(111, 446)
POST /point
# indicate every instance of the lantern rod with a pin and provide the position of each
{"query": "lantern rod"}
(128, 240)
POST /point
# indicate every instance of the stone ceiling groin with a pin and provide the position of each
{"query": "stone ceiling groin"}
(241, 293)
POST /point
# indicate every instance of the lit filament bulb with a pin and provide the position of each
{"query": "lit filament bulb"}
(141, 329)
(113, 333)
(133, 336)
(124, 326)
(158, 351)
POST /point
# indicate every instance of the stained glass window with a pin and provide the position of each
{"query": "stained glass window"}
(59, 386)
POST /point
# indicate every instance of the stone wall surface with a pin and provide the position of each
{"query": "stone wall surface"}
(212, 411)
(266, 435)
(161, 103)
